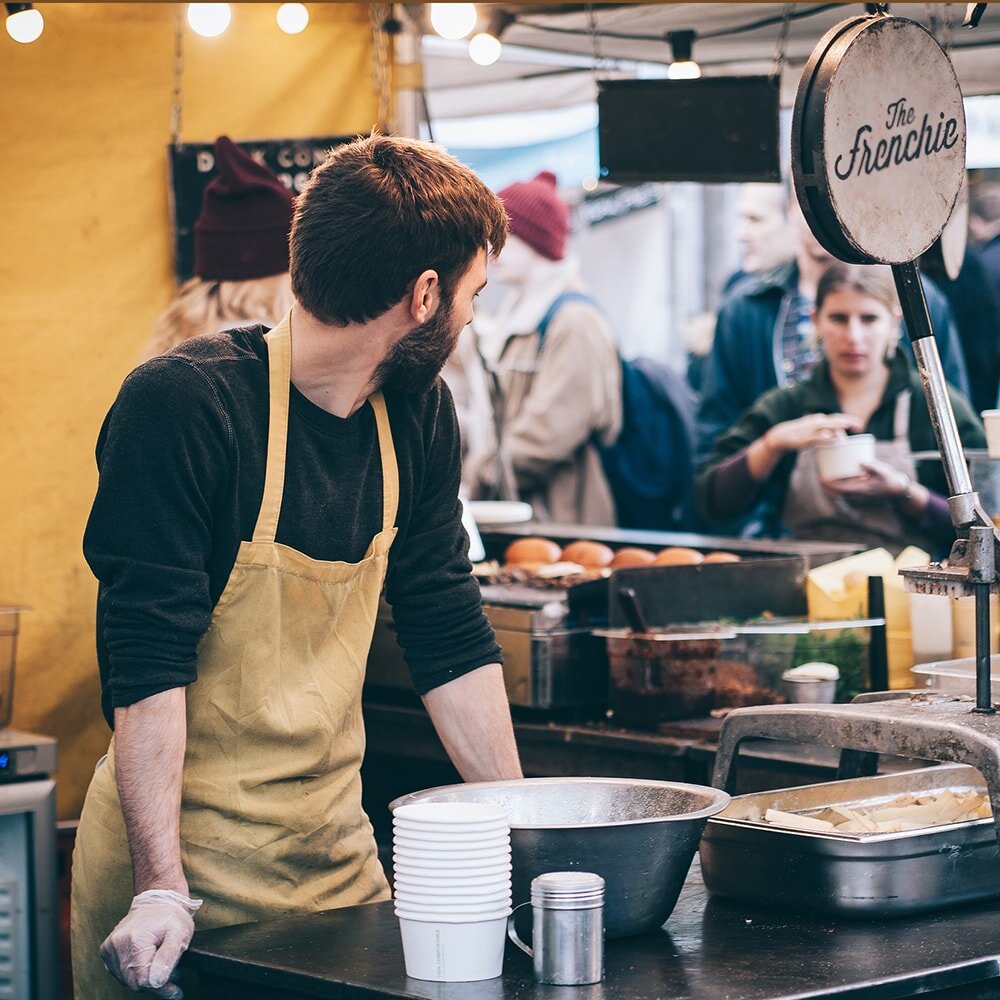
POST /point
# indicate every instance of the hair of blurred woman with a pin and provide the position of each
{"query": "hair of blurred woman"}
(872, 280)
(201, 306)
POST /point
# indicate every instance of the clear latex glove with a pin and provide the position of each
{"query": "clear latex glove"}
(144, 948)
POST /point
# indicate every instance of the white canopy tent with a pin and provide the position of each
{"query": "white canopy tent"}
(551, 57)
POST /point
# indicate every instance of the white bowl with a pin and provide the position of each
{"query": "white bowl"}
(844, 458)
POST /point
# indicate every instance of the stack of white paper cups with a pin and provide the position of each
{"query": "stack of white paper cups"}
(451, 863)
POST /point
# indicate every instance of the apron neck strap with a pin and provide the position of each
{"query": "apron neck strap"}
(279, 366)
(390, 471)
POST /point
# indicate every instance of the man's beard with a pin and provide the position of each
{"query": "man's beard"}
(414, 362)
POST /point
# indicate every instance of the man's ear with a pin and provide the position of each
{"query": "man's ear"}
(425, 296)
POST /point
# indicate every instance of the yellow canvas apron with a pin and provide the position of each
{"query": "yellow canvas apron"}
(810, 511)
(271, 819)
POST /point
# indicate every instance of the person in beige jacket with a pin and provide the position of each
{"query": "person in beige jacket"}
(559, 395)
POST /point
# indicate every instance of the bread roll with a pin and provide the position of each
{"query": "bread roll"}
(531, 552)
(592, 555)
(677, 556)
(628, 557)
(722, 557)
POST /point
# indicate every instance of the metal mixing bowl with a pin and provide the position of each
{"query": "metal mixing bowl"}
(639, 835)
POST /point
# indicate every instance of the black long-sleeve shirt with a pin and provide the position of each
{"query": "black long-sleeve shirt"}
(181, 456)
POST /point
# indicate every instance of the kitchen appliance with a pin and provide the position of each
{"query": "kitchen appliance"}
(29, 908)
(639, 836)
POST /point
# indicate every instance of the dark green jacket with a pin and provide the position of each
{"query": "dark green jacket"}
(818, 395)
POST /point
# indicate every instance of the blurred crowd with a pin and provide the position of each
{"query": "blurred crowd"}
(803, 352)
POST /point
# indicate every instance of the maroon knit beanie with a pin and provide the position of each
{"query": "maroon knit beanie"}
(538, 215)
(246, 212)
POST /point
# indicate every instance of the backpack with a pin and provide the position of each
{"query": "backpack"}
(650, 467)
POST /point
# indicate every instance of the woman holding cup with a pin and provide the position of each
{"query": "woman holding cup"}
(835, 453)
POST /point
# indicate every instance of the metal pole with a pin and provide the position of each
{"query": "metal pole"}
(921, 334)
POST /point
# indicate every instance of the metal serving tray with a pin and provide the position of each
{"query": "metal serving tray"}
(868, 876)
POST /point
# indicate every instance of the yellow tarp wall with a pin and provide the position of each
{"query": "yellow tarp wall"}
(85, 267)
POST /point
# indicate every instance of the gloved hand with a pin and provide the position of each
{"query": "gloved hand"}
(144, 948)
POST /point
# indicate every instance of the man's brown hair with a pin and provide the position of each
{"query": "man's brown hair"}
(376, 214)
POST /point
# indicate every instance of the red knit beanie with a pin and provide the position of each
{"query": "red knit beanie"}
(538, 215)
(246, 212)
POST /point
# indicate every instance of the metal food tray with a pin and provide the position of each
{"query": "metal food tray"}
(855, 875)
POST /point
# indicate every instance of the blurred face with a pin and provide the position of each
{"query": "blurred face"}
(807, 244)
(765, 234)
(857, 332)
(416, 360)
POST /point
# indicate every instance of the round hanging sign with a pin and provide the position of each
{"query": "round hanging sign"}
(878, 140)
(951, 246)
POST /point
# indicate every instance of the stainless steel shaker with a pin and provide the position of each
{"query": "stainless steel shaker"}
(567, 928)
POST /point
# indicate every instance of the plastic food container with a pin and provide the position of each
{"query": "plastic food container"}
(958, 676)
(655, 680)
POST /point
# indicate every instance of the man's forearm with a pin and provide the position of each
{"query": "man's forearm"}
(472, 717)
(149, 764)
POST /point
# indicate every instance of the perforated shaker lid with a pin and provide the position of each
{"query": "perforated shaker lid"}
(567, 890)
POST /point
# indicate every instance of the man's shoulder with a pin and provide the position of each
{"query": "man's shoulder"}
(200, 367)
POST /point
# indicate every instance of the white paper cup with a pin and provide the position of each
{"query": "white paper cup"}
(452, 904)
(991, 421)
(466, 874)
(440, 842)
(452, 859)
(482, 911)
(845, 457)
(469, 885)
(451, 829)
(447, 952)
(451, 812)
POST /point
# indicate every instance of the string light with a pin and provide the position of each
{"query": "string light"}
(484, 49)
(683, 66)
(209, 19)
(24, 23)
(292, 18)
(453, 20)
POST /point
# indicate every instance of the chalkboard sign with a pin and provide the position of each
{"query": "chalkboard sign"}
(712, 130)
(192, 166)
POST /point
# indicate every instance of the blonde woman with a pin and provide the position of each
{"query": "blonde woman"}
(861, 384)
(241, 255)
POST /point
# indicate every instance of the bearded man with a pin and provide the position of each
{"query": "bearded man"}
(258, 488)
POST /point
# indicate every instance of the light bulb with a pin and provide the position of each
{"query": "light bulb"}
(25, 25)
(484, 49)
(292, 18)
(590, 184)
(685, 69)
(453, 20)
(209, 19)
